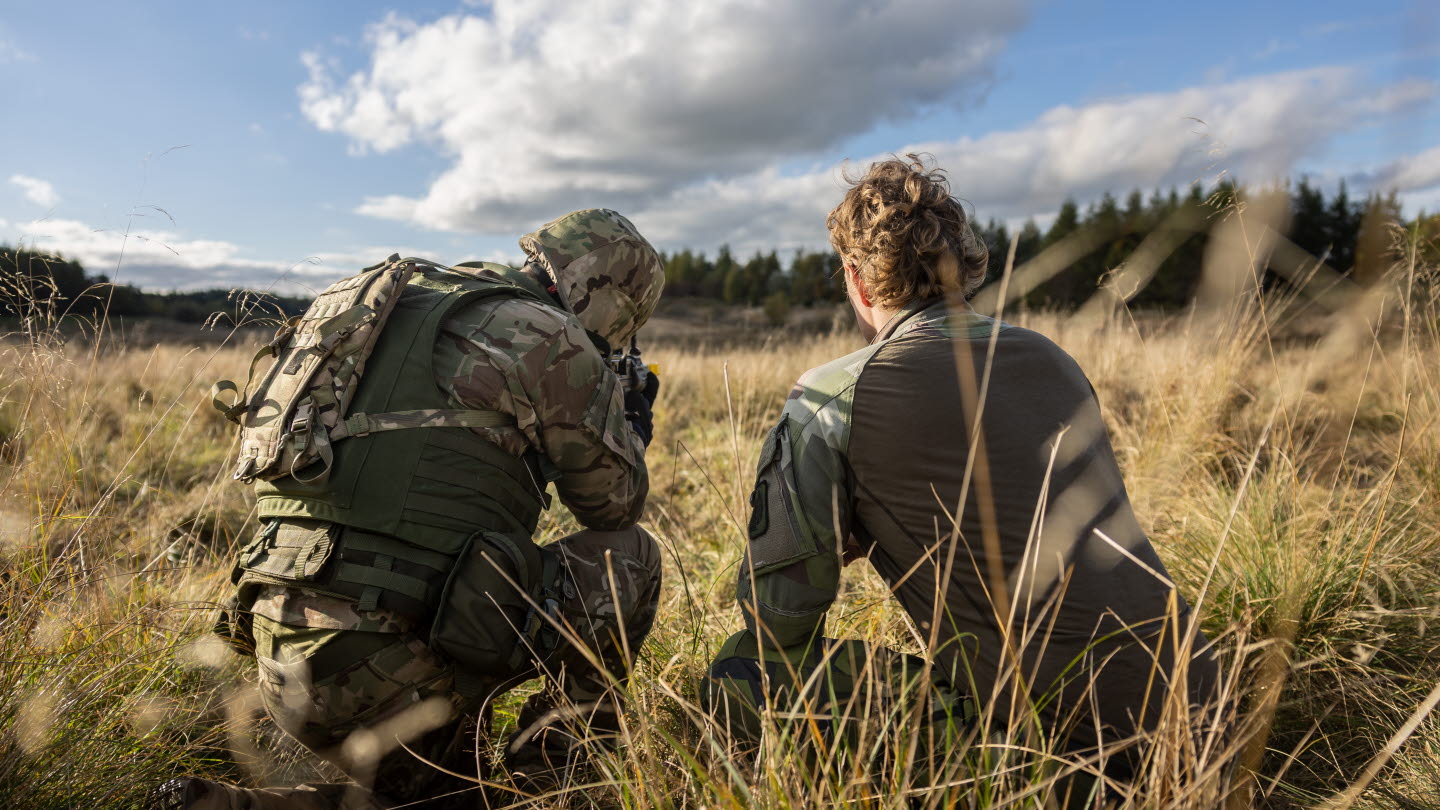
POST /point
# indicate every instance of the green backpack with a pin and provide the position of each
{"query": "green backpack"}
(300, 407)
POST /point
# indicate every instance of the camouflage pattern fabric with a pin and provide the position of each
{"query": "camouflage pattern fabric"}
(608, 595)
(353, 685)
(608, 598)
(833, 696)
(536, 364)
(362, 423)
(322, 353)
(604, 270)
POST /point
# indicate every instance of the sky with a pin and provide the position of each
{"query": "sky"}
(270, 144)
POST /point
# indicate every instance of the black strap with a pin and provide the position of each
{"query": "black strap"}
(380, 578)
(381, 545)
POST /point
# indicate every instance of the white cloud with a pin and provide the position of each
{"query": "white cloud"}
(11, 52)
(158, 259)
(1412, 173)
(149, 258)
(542, 112)
(38, 191)
(546, 105)
(1255, 130)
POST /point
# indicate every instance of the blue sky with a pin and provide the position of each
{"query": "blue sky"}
(318, 138)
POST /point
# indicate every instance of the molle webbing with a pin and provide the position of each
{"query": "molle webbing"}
(373, 570)
(379, 571)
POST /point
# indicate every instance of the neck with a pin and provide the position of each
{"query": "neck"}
(873, 320)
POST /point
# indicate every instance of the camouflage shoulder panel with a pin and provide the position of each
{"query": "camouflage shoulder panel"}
(823, 397)
(488, 350)
(510, 326)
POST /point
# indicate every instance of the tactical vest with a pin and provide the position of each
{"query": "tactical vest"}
(399, 507)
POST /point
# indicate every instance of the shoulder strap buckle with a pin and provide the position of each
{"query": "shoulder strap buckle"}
(304, 412)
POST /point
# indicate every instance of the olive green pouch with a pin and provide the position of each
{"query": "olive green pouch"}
(491, 620)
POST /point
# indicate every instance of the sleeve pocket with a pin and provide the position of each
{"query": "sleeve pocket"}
(604, 418)
(776, 537)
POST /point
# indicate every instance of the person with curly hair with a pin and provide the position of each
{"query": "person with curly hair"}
(966, 460)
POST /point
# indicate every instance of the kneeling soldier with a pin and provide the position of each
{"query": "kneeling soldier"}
(1011, 545)
(401, 444)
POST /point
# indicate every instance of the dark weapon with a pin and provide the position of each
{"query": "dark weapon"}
(629, 367)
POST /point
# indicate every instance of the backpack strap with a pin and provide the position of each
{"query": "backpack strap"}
(234, 410)
(362, 424)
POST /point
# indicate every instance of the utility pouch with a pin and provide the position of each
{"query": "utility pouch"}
(776, 538)
(293, 550)
(493, 618)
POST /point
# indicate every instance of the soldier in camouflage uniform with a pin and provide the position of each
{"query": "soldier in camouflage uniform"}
(347, 619)
(1013, 548)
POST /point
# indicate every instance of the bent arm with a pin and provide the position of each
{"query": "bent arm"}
(800, 508)
(538, 366)
(603, 479)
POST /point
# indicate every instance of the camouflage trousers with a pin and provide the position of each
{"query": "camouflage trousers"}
(364, 691)
(835, 700)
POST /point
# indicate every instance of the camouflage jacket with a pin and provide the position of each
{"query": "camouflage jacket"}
(536, 363)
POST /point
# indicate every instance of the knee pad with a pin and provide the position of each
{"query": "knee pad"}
(646, 549)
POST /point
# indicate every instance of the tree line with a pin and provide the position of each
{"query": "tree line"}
(39, 282)
(1352, 235)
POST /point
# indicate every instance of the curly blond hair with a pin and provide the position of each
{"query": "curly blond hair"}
(906, 235)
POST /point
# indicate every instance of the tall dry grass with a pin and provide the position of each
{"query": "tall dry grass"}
(1289, 477)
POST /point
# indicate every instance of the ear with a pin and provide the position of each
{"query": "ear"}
(858, 284)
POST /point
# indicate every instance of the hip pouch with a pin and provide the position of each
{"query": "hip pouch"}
(375, 571)
(496, 616)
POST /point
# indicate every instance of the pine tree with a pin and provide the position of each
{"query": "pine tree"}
(1067, 221)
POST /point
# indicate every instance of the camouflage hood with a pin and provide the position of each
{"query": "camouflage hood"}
(604, 270)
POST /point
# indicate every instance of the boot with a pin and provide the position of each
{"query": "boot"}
(553, 739)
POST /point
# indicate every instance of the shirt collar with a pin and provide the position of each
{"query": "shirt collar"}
(904, 317)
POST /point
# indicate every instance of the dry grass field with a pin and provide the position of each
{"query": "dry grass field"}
(1290, 481)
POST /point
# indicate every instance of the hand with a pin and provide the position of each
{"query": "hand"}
(639, 414)
(652, 386)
